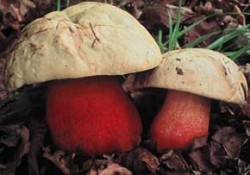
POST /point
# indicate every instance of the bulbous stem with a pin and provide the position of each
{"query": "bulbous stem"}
(93, 114)
(182, 118)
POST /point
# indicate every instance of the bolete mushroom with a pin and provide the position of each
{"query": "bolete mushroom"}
(79, 51)
(193, 77)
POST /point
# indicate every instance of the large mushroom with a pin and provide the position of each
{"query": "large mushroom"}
(78, 51)
(193, 77)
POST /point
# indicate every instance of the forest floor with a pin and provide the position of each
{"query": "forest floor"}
(26, 146)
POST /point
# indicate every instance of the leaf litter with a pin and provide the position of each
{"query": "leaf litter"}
(25, 143)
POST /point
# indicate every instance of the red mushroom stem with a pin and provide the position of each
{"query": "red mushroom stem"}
(182, 118)
(93, 114)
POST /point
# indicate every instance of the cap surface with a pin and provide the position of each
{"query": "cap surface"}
(199, 71)
(83, 40)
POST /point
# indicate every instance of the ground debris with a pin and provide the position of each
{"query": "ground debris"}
(112, 169)
(57, 159)
(14, 145)
(140, 161)
(173, 160)
(230, 140)
(246, 70)
(38, 131)
(25, 143)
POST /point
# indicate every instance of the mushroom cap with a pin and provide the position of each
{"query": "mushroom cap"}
(83, 40)
(198, 71)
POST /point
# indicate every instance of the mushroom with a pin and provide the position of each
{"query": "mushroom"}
(193, 77)
(79, 52)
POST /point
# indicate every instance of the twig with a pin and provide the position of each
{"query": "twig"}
(96, 38)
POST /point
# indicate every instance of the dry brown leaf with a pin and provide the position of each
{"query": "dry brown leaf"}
(18, 146)
(105, 166)
(233, 146)
(16, 12)
(25, 145)
(25, 6)
(207, 8)
(57, 159)
(10, 134)
(216, 154)
(199, 142)
(174, 161)
(230, 140)
(11, 15)
(245, 151)
(200, 160)
(140, 160)
(38, 131)
(246, 70)
(3, 91)
(133, 7)
(213, 24)
(151, 162)
(158, 15)
(115, 169)
(202, 29)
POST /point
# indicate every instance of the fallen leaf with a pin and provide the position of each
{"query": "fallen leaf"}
(202, 29)
(57, 159)
(200, 160)
(158, 15)
(10, 134)
(199, 142)
(140, 160)
(17, 148)
(246, 70)
(230, 140)
(245, 151)
(3, 91)
(25, 144)
(38, 131)
(151, 162)
(216, 154)
(174, 161)
(115, 169)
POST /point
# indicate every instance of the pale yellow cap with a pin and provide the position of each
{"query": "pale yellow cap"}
(198, 71)
(83, 40)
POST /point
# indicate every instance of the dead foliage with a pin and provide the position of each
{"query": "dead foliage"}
(25, 143)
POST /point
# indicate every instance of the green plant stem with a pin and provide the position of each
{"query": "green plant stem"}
(58, 5)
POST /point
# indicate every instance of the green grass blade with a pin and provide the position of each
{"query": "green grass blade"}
(159, 40)
(236, 54)
(231, 35)
(184, 31)
(58, 5)
(176, 29)
(205, 37)
(171, 37)
(67, 3)
(201, 39)
(175, 32)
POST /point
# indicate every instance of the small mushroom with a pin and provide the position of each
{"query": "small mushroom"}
(193, 77)
(79, 51)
